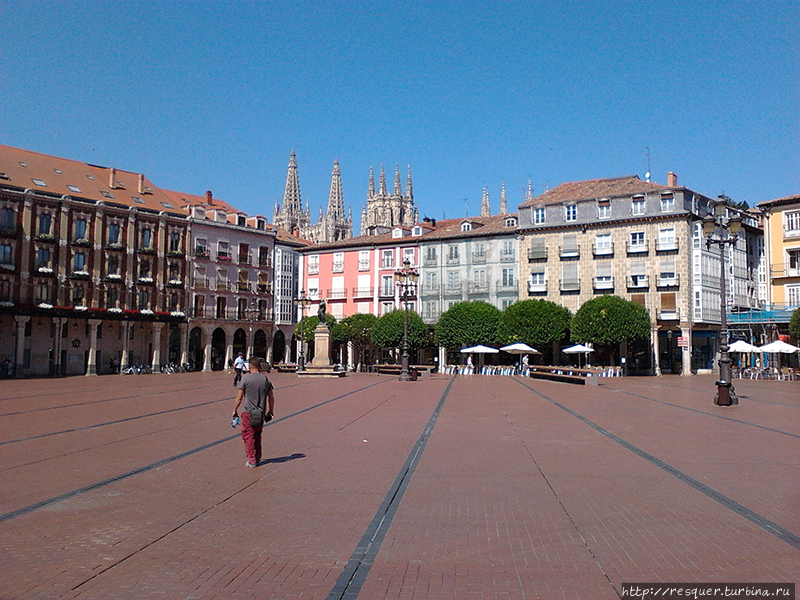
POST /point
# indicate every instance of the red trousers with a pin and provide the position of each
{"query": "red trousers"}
(251, 436)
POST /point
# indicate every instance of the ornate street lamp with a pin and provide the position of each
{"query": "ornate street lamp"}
(406, 281)
(302, 301)
(722, 232)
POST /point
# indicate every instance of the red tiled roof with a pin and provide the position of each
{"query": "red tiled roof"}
(182, 200)
(64, 177)
(780, 201)
(595, 188)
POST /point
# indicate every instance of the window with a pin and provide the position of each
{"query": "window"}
(45, 222)
(431, 282)
(142, 299)
(603, 245)
(78, 294)
(113, 233)
(80, 228)
(638, 277)
(508, 278)
(386, 307)
(6, 254)
(43, 258)
(569, 277)
(792, 222)
(112, 295)
(537, 279)
(5, 290)
(666, 239)
(507, 251)
(793, 295)
(570, 245)
(387, 285)
(793, 260)
(338, 262)
(313, 264)
(571, 212)
(637, 206)
(539, 215)
(144, 268)
(113, 265)
(146, 238)
(74, 188)
(363, 260)
(604, 209)
(78, 262)
(478, 282)
(452, 255)
(603, 279)
(408, 255)
(175, 241)
(454, 281)
(7, 219)
(387, 259)
(479, 251)
(466, 226)
(667, 203)
(430, 256)
(39, 182)
(666, 272)
(511, 222)
(638, 243)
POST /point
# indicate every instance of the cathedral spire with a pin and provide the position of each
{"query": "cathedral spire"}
(292, 204)
(371, 190)
(409, 189)
(486, 209)
(382, 183)
(335, 200)
(529, 193)
(503, 204)
(398, 190)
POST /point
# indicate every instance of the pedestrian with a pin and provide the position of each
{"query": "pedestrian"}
(525, 361)
(239, 366)
(230, 365)
(256, 390)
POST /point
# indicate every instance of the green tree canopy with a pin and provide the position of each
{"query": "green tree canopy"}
(304, 330)
(388, 330)
(610, 320)
(794, 325)
(536, 322)
(467, 324)
(356, 329)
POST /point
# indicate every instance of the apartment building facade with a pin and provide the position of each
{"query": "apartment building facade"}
(642, 241)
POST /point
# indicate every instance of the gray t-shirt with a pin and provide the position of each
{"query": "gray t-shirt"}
(255, 386)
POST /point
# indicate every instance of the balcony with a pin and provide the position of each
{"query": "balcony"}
(338, 267)
(480, 287)
(8, 231)
(224, 257)
(603, 249)
(569, 251)
(452, 290)
(570, 285)
(780, 270)
(265, 262)
(429, 261)
(537, 287)
(430, 289)
(669, 314)
(175, 282)
(244, 260)
(337, 294)
(638, 247)
(263, 288)
(202, 283)
(478, 258)
(664, 280)
(666, 245)
(365, 292)
(503, 288)
(387, 292)
(637, 282)
(508, 256)
(363, 265)
(603, 283)
(201, 253)
(313, 269)
(790, 232)
(537, 253)
(452, 259)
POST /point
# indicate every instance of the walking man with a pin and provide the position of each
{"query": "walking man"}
(239, 366)
(256, 390)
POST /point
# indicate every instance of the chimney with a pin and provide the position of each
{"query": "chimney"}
(112, 178)
(141, 183)
(672, 179)
(209, 198)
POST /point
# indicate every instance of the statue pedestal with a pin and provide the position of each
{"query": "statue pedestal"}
(321, 363)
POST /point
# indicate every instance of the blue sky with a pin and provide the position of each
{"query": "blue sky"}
(214, 95)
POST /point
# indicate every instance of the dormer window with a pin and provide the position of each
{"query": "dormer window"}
(511, 222)
(604, 209)
(571, 212)
(417, 231)
(466, 226)
(397, 232)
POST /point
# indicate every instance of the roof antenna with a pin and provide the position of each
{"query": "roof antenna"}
(647, 152)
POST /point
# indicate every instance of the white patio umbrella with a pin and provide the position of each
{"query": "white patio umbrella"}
(578, 349)
(742, 346)
(480, 349)
(778, 346)
(519, 348)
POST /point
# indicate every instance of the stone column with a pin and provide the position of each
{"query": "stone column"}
(184, 327)
(126, 334)
(91, 366)
(251, 347)
(207, 334)
(228, 347)
(18, 364)
(686, 352)
(442, 357)
(156, 364)
(656, 351)
(59, 322)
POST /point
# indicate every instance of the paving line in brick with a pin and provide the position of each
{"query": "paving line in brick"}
(767, 525)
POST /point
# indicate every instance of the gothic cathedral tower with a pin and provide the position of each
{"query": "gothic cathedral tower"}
(388, 210)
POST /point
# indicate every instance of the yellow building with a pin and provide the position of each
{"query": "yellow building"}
(782, 246)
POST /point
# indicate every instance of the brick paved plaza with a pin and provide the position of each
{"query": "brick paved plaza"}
(459, 488)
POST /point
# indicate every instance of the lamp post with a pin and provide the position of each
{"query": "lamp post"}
(302, 301)
(723, 232)
(406, 281)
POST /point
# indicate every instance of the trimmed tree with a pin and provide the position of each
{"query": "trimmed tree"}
(355, 329)
(794, 325)
(538, 323)
(610, 320)
(467, 324)
(387, 332)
